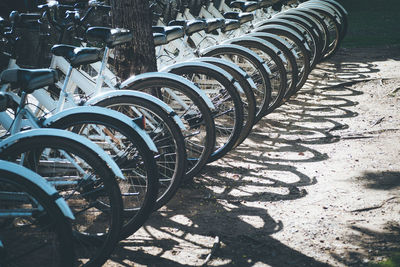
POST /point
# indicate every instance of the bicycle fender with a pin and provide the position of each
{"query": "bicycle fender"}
(229, 64)
(207, 66)
(277, 19)
(215, 48)
(276, 37)
(104, 112)
(40, 182)
(261, 41)
(280, 27)
(64, 134)
(170, 76)
(106, 95)
(294, 17)
(330, 10)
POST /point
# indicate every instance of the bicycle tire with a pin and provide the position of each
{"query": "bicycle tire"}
(290, 66)
(344, 14)
(303, 59)
(226, 100)
(316, 36)
(333, 29)
(277, 75)
(254, 66)
(166, 135)
(200, 134)
(138, 209)
(248, 98)
(45, 238)
(316, 20)
(301, 31)
(340, 11)
(93, 243)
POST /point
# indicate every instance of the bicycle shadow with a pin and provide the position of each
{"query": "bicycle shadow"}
(234, 197)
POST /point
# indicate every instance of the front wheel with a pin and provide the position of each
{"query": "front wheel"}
(166, 135)
(131, 153)
(192, 109)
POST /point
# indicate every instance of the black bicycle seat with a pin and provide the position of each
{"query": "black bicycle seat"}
(28, 80)
(110, 37)
(77, 56)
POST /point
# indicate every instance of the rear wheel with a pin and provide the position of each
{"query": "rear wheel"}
(86, 183)
(192, 109)
(131, 153)
(277, 75)
(33, 229)
(228, 114)
(297, 48)
(255, 68)
(166, 135)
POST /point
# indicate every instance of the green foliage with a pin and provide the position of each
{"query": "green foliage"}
(393, 261)
(372, 23)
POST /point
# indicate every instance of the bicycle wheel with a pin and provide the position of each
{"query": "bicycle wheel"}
(336, 10)
(318, 24)
(193, 110)
(297, 46)
(130, 152)
(301, 31)
(86, 183)
(228, 114)
(33, 229)
(344, 14)
(271, 56)
(255, 67)
(332, 26)
(248, 98)
(290, 65)
(314, 37)
(166, 135)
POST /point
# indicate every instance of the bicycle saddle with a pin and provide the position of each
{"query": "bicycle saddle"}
(213, 24)
(241, 17)
(171, 32)
(245, 6)
(159, 38)
(231, 24)
(190, 26)
(28, 79)
(77, 56)
(265, 3)
(111, 37)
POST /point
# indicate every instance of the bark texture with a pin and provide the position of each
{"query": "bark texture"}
(137, 56)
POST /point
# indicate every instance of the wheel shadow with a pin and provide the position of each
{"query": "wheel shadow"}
(233, 196)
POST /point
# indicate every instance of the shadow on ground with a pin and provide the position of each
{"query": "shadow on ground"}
(230, 199)
(382, 180)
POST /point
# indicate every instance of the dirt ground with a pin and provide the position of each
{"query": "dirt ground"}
(316, 183)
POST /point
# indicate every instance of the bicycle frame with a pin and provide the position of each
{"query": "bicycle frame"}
(25, 117)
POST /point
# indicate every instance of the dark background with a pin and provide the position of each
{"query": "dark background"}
(372, 23)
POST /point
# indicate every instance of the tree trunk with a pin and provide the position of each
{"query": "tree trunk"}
(137, 56)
